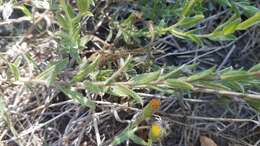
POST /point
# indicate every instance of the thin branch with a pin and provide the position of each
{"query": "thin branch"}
(196, 88)
(18, 20)
(211, 118)
(228, 93)
(95, 124)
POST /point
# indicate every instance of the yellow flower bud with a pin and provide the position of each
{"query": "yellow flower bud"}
(155, 104)
(152, 107)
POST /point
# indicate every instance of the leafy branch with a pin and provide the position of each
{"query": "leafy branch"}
(185, 25)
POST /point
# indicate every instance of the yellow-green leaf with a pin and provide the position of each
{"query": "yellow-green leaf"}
(145, 78)
(249, 22)
(122, 90)
(50, 74)
(190, 21)
(25, 10)
(77, 97)
(123, 136)
(231, 27)
(255, 68)
(179, 84)
(235, 75)
(201, 75)
(187, 8)
(137, 140)
(15, 71)
(85, 69)
(84, 6)
(93, 88)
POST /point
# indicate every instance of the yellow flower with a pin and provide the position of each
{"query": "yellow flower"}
(156, 131)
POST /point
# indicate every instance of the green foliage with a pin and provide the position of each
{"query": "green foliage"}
(129, 131)
(189, 14)
(70, 23)
(25, 10)
(187, 22)
(77, 97)
(14, 67)
(236, 75)
(255, 68)
(122, 90)
(145, 78)
(201, 75)
(179, 84)
(15, 71)
(49, 75)
(249, 22)
(85, 69)
(84, 6)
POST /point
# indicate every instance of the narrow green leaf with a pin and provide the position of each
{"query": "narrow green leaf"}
(190, 21)
(234, 86)
(30, 60)
(224, 2)
(85, 69)
(195, 39)
(201, 75)
(137, 140)
(25, 10)
(219, 36)
(177, 71)
(214, 85)
(122, 90)
(220, 27)
(76, 21)
(63, 22)
(73, 50)
(69, 11)
(187, 8)
(249, 10)
(77, 97)
(253, 103)
(145, 78)
(84, 6)
(15, 71)
(172, 73)
(177, 32)
(93, 88)
(123, 136)
(255, 68)
(50, 74)
(249, 22)
(231, 27)
(235, 75)
(235, 9)
(179, 84)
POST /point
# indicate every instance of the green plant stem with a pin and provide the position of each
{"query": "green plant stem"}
(196, 88)
(227, 93)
